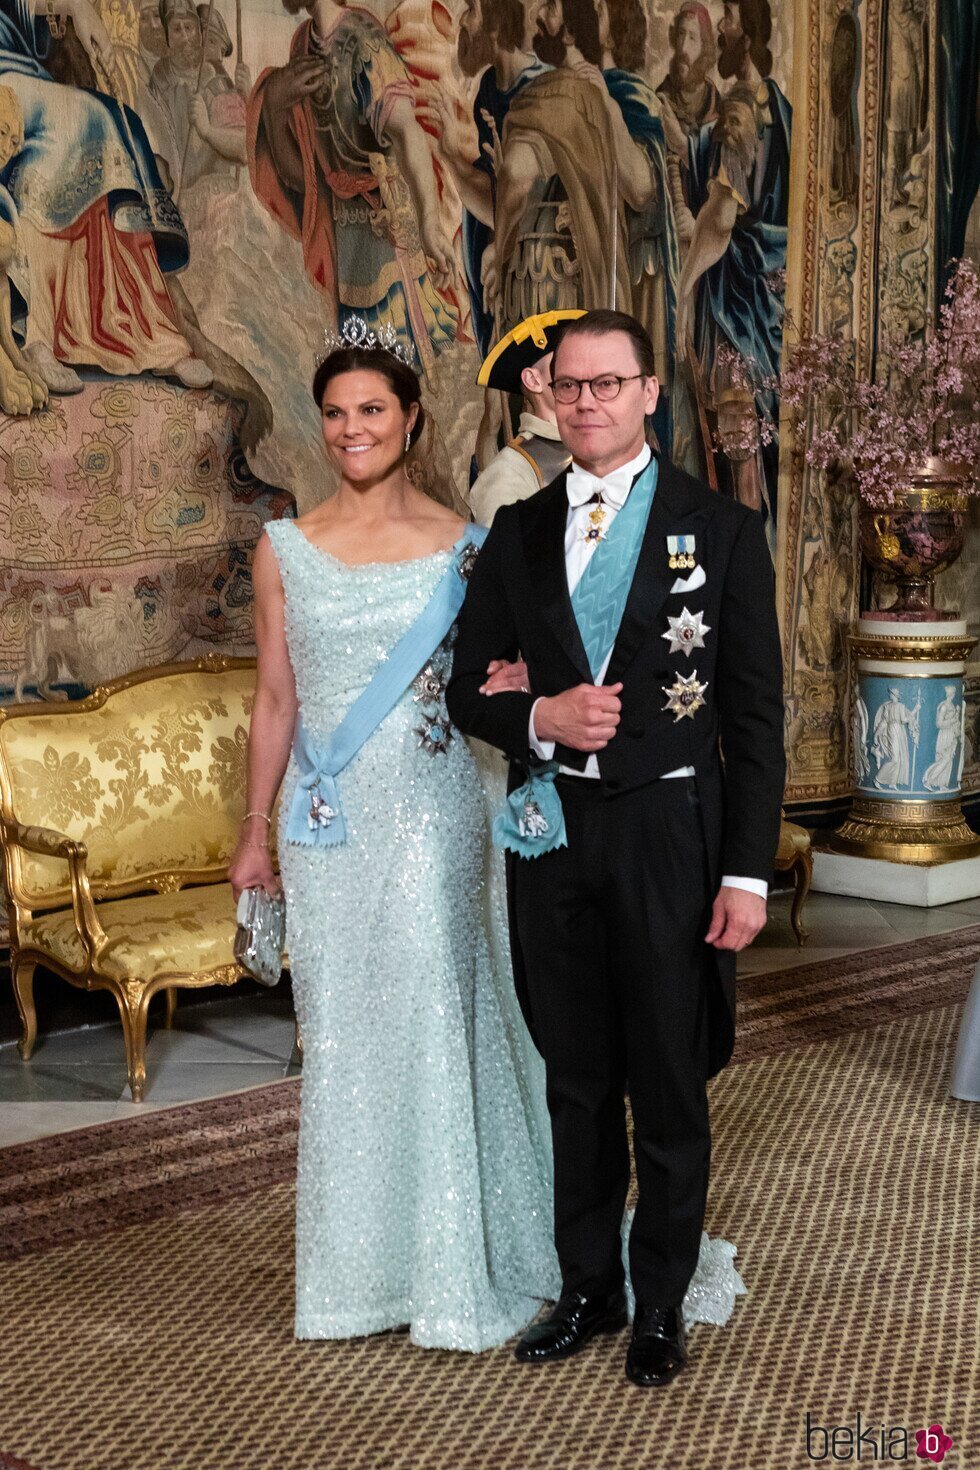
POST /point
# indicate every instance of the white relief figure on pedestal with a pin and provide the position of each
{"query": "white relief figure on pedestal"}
(949, 729)
(859, 741)
(895, 740)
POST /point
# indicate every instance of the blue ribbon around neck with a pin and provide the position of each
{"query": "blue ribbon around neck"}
(532, 821)
(316, 817)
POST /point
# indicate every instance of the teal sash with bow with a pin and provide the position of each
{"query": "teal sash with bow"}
(316, 818)
(532, 821)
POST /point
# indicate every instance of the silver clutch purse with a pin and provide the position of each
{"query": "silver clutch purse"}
(260, 938)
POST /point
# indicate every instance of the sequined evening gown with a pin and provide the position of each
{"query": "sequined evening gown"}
(424, 1176)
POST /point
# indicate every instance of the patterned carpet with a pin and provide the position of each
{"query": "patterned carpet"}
(147, 1277)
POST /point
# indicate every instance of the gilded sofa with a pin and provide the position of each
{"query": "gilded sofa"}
(118, 816)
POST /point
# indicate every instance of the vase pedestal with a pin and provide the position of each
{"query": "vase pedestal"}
(905, 839)
(890, 882)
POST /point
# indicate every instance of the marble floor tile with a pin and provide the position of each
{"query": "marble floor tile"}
(230, 1031)
(187, 1081)
(756, 961)
(38, 1081)
(910, 922)
(22, 1122)
(82, 1046)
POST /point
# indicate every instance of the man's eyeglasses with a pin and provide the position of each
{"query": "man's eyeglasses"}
(605, 388)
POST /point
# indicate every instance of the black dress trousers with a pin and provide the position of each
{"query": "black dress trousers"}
(616, 988)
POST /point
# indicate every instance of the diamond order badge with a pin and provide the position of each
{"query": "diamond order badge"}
(321, 813)
(532, 822)
(685, 696)
(686, 633)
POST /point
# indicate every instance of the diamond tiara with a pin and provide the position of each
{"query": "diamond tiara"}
(355, 333)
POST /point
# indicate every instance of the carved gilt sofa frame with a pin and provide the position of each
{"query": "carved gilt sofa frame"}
(118, 816)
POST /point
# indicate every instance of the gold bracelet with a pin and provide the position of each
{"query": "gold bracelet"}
(263, 815)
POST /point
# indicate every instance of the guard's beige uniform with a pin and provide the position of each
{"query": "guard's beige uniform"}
(530, 461)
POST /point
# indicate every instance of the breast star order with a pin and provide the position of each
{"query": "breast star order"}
(686, 632)
(685, 696)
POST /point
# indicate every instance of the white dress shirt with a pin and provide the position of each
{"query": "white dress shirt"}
(614, 488)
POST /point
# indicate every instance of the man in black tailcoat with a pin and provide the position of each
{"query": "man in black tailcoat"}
(625, 937)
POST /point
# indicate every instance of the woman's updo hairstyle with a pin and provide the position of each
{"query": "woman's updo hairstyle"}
(401, 379)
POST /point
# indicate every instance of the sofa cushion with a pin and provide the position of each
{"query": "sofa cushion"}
(149, 934)
(793, 840)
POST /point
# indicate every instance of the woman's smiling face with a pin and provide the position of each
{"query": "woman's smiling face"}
(364, 425)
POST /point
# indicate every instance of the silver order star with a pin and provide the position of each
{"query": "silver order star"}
(430, 686)
(685, 696)
(467, 560)
(686, 632)
(434, 735)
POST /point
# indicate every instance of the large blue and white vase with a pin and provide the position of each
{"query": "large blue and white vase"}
(908, 743)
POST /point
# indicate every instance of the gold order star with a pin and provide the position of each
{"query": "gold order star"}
(685, 696)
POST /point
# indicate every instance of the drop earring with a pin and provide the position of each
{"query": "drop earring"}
(408, 440)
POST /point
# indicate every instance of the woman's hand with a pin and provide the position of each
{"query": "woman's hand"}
(503, 677)
(251, 862)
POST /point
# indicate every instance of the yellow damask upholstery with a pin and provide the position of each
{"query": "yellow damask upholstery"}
(150, 935)
(139, 787)
(793, 856)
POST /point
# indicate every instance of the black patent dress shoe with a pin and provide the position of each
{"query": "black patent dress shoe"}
(657, 1350)
(573, 1322)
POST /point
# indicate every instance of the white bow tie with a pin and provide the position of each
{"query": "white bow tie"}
(582, 487)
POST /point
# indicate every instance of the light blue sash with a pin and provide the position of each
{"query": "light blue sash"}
(532, 821)
(599, 599)
(316, 818)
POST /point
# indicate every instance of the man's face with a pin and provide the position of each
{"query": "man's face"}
(549, 41)
(475, 48)
(687, 47)
(731, 42)
(214, 45)
(153, 39)
(736, 129)
(184, 36)
(601, 434)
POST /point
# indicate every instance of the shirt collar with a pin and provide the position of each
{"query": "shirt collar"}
(614, 487)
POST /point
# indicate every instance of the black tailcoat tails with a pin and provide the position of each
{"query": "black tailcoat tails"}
(619, 990)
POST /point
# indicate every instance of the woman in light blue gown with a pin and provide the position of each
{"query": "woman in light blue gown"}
(424, 1177)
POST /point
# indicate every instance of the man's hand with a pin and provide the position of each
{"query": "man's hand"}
(295, 82)
(439, 254)
(583, 718)
(736, 918)
(91, 31)
(200, 120)
(503, 677)
(590, 73)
